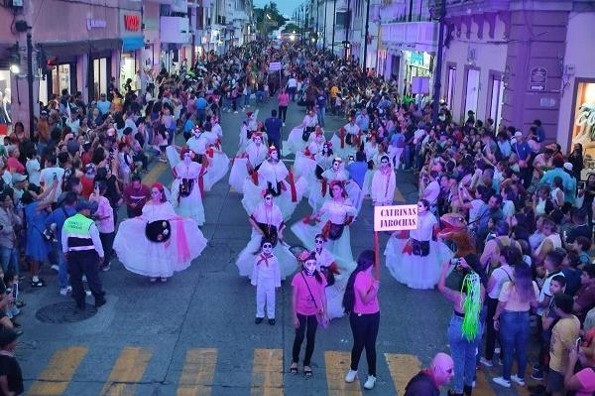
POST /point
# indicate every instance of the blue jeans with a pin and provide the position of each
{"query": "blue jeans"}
(321, 114)
(62, 268)
(514, 335)
(463, 354)
(10, 259)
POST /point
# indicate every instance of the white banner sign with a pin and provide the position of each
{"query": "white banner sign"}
(395, 218)
(275, 66)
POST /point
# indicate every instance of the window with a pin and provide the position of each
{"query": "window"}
(451, 77)
(471, 91)
(496, 97)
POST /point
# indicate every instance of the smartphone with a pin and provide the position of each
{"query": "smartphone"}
(579, 341)
(581, 185)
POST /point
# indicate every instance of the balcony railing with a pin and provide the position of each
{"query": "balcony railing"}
(416, 36)
(466, 7)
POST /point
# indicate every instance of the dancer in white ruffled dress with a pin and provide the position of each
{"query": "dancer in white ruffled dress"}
(384, 184)
(267, 224)
(206, 145)
(248, 162)
(346, 140)
(274, 176)
(333, 221)
(301, 135)
(187, 188)
(305, 163)
(336, 172)
(371, 150)
(159, 242)
(417, 261)
(336, 277)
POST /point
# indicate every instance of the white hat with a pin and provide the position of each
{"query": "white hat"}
(568, 166)
(518, 134)
(17, 177)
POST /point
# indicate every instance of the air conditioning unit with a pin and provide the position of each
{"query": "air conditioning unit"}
(175, 30)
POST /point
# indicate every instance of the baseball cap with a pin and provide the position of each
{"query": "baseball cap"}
(83, 204)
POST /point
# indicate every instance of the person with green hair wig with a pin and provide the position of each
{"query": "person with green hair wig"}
(464, 329)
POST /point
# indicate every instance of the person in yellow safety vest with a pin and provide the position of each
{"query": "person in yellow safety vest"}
(84, 254)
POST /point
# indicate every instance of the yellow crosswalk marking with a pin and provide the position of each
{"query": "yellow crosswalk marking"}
(57, 375)
(402, 368)
(337, 365)
(155, 173)
(129, 368)
(482, 385)
(399, 196)
(267, 372)
(198, 373)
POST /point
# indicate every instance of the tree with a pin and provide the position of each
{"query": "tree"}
(268, 18)
(292, 27)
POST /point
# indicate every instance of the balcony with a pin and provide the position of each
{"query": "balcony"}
(412, 36)
(470, 7)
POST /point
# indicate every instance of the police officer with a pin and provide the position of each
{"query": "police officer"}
(84, 253)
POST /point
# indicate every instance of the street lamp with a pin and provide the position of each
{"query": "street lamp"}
(438, 70)
(15, 60)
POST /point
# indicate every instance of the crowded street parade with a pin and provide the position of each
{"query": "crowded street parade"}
(233, 219)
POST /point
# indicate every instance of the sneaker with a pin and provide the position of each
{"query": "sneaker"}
(536, 367)
(272, 322)
(537, 375)
(486, 362)
(107, 267)
(235, 112)
(85, 278)
(370, 382)
(351, 376)
(55, 267)
(283, 124)
(38, 283)
(497, 350)
(88, 293)
(65, 290)
(517, 380)
(502, 382)
(258, 320)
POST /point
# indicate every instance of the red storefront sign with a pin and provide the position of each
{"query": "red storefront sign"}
(132, 22)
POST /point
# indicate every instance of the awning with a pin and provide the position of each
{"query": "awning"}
(70, 50)
(132, 43)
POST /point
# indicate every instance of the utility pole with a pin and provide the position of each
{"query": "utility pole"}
(334, 21)
(366, 37)
(30, 84)
(438, 69)
(324, 37)
(347, 25)
(316, 35)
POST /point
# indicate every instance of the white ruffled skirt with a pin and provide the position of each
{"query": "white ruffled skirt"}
(143, 257)
(190, 206)
(415, 271)
(245, 262)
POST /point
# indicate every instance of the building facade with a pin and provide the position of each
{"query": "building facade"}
(98, 41)
(518, 61)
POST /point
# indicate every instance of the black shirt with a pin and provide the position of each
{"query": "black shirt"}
(10, 368)
(581, 230)
(422, 385)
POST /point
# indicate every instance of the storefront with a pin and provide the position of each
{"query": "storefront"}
(100, 73)
(583, 121)
(133, 43)
(417, 64)
(5, 101)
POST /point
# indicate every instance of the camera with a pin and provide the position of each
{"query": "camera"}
(455, 261)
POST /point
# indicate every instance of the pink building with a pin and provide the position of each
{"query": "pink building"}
(78, 47)
(517, 61)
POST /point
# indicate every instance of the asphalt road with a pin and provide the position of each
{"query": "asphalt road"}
(195, 335)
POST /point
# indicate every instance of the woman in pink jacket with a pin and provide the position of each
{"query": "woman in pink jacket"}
(283, 100)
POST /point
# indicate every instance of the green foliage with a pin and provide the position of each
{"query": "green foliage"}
(268, 18)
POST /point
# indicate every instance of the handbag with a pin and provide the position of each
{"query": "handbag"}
(158, 231)
(332, 231)
(306, 133)
(420, 248)
(186, 187)
(321, 317)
